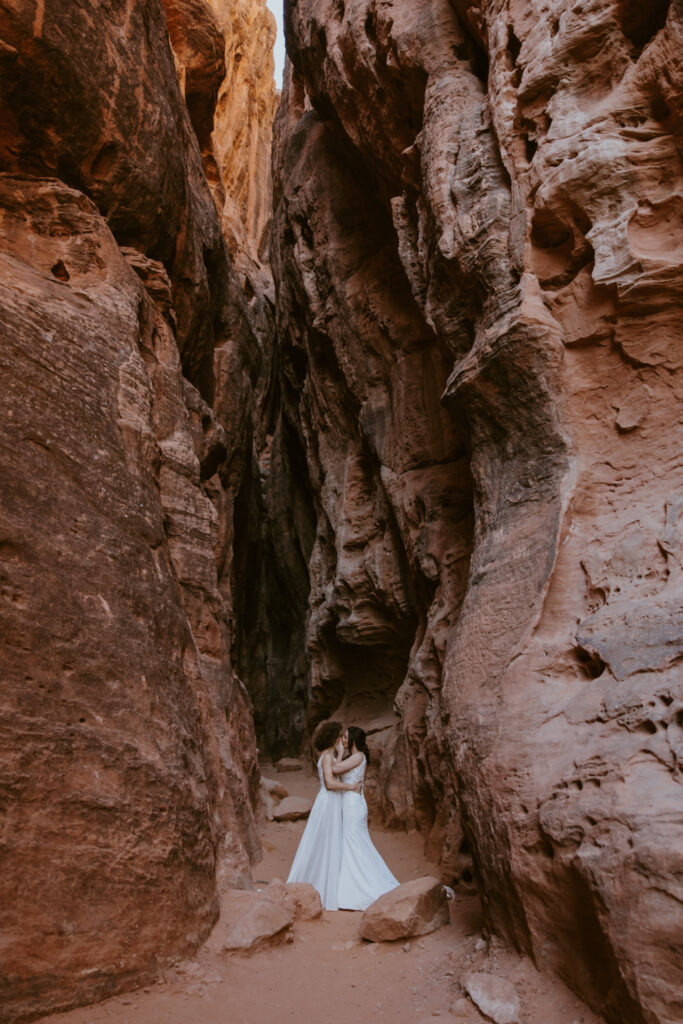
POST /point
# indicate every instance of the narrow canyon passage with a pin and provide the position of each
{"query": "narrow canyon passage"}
(359, 399)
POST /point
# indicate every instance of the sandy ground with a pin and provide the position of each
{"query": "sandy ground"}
(328, 974)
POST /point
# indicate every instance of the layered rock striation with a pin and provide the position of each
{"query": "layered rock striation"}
(128, 769)
(477, 220)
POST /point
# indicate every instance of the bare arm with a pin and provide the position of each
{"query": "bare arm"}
(335, 784)
(345, 766)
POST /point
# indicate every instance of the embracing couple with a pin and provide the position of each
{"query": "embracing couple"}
(336, 854)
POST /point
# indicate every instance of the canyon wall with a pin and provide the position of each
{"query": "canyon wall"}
(130, 355)
(478, 212)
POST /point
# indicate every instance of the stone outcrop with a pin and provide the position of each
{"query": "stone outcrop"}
(128, 767)
(477, 256)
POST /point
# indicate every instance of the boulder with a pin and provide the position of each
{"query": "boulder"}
(301, 898)
(249, 922)
(288, 764)
(292, 808)
(414, 908)
(495, 997)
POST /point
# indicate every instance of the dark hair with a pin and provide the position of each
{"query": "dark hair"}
(325, 735)
(357, 740)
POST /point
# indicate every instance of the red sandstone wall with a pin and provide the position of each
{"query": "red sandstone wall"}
(478, 263)
(128, 769)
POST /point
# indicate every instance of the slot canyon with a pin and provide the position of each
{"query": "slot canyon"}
(359, 399)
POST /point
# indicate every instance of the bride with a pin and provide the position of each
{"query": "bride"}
(318, 858)
(363, 875)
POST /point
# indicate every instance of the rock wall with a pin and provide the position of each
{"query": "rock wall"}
(128, 772)
(477, 222)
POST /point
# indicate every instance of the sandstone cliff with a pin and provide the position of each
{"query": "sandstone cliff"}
(129, 354)
(478, 265)
(446, 505)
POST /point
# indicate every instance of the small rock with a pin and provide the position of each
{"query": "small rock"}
(274, 788)
(406, 948)
(460, 1007)
(299, 898)
(307, 903)
(288, 764)
(479, 945)
(414, 908)
(632, 409)
(268, 804)
(495, 997)
(292, 808)
(213, 979)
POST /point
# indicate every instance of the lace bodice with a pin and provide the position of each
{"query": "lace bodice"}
(321, 777)
(356, 774)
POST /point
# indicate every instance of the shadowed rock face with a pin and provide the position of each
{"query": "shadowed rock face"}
(128, 774)
(478, 266)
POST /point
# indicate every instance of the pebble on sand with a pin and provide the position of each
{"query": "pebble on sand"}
(495, 997)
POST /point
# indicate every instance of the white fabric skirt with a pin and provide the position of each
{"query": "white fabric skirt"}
(363, 876)
(318, 858)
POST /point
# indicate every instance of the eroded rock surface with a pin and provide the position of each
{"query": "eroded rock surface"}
(478, 263)
(128, 767)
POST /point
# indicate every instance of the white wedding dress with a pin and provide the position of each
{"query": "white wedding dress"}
(363, 876)
(318, 858)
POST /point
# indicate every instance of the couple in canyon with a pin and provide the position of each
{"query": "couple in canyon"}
(336, 854)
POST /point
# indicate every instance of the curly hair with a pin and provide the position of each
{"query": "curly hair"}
(326, 734)
(357, 740)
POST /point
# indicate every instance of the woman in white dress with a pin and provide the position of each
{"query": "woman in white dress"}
(318, 858)
(363, 875)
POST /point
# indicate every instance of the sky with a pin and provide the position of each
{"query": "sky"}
(279, 52)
